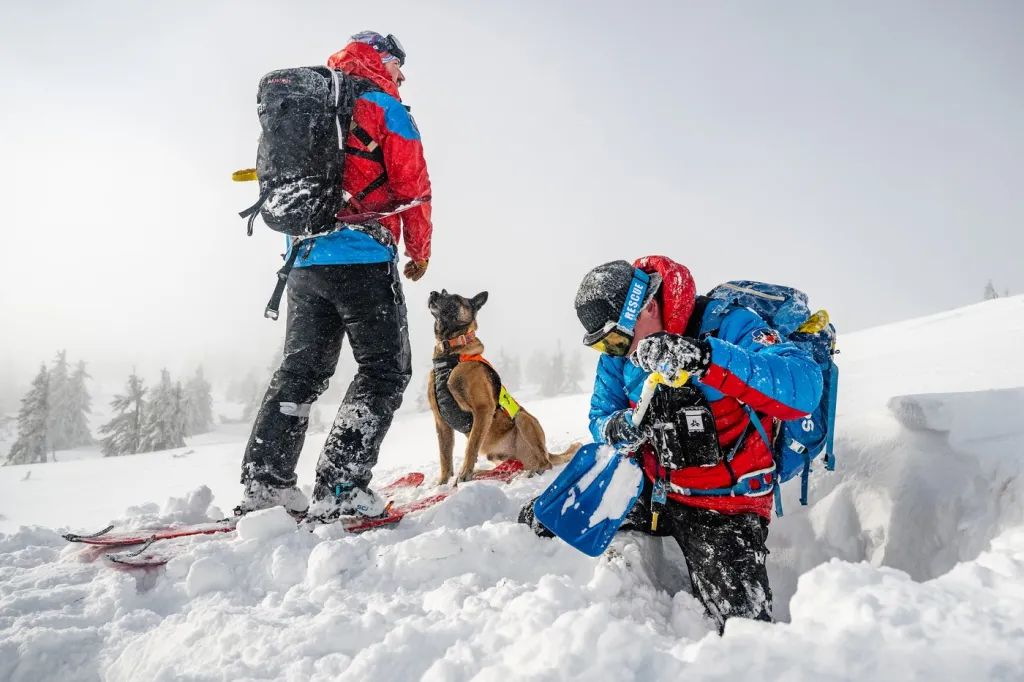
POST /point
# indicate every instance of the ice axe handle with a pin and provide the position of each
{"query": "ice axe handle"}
(650, 385)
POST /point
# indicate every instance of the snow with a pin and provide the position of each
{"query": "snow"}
(908, 564)
(265, 524)
(623, 488)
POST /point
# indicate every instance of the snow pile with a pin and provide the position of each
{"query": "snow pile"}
(908, 564)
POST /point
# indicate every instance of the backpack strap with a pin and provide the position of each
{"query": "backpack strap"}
(274, 304)
(696, 321)
(718, 313)
(251, 212)
(767, 441)
(373, 151)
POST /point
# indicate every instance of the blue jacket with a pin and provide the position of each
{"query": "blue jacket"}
(750, 363)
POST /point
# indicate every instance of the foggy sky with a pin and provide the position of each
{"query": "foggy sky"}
(869, 153)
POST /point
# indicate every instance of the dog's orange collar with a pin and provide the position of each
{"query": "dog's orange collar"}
(459, 341)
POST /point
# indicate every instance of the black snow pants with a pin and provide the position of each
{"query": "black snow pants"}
(725, 554)
(325, 304)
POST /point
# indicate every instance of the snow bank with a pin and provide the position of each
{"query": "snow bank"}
(908, 564)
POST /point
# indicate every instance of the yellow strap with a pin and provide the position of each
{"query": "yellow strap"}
(679, 380)
(815, 323)
(508, 403)
(244, 175)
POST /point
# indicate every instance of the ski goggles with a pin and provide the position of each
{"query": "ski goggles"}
(616, 336)
(394, 47)
(389, 44)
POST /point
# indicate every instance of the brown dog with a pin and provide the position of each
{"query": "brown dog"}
(465, 393)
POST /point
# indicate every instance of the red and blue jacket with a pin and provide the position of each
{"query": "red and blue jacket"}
(381, 114)
(750, 365)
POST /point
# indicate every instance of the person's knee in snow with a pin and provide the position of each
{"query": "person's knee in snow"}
(698, 442)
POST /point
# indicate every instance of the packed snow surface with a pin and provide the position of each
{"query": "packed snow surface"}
(908, 564)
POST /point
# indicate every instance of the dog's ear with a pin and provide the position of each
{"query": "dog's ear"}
(444, 292)
(477, 302)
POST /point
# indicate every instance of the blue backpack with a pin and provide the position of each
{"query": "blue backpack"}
(786, 310)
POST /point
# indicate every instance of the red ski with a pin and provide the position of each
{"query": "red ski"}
(147, 535)
(150, 556)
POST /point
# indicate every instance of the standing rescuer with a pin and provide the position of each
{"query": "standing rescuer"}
(346, 284)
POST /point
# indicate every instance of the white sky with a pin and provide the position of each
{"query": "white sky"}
(870, 153)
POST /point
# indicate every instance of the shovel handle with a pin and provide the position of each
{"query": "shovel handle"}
(650, 385)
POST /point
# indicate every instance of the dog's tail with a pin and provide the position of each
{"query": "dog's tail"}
(563, 457)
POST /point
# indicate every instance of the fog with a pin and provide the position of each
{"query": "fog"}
(870, 154)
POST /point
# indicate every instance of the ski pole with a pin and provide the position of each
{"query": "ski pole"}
(650, 385)
(659, 495)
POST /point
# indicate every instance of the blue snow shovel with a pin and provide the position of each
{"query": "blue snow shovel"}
(590, 498)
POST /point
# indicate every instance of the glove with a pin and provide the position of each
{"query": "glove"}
(620, 432)
(415, 269)
(671, 354)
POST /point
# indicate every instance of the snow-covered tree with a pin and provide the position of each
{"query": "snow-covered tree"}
(990, 291)
(256, 385)
(31, 445)
(422, 401)
(164, 425)
(8, 427)
(537, 368)
(198, 405)
(508, 368)
(76, 421)
(124, 432)
(59, 402)
(554, 381)
(316, 421)
(69, 403)
(249, 391)
(573, 374)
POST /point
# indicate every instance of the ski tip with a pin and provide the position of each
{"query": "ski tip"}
(74, 537)
(509, 466)
(413, 479)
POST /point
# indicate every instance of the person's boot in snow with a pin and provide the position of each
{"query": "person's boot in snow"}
(346, 499)
(259, 495)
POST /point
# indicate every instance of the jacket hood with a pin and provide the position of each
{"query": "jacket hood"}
(362, 61)
(678, 291)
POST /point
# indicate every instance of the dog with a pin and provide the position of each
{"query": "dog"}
(466, 394)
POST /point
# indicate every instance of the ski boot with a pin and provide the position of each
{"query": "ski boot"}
(259, 495)
(346, 499)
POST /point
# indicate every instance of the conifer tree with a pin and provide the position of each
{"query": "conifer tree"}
(32, 443)
(198, 405)
(124, 432)
(164, 424)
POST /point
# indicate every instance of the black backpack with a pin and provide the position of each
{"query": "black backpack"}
(306, 114)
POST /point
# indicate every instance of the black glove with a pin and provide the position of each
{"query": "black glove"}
(671, 354)
(620, 432)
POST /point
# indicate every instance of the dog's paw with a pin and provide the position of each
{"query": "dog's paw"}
(443, 480)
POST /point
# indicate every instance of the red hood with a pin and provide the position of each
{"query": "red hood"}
(362, 61)
(678, 292)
